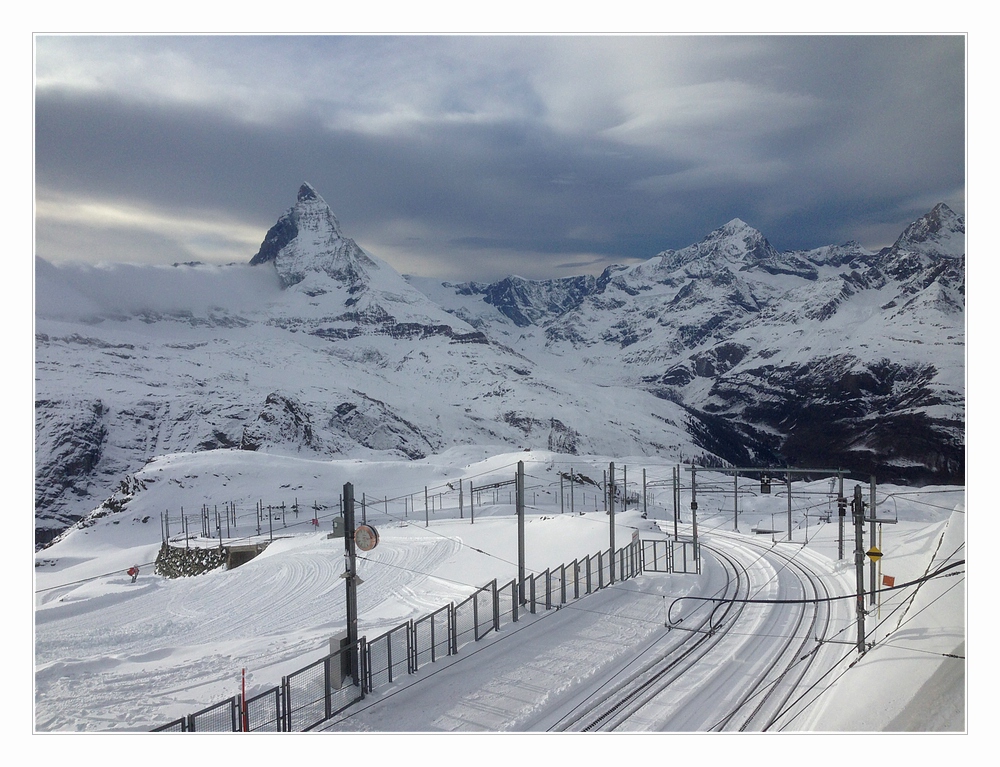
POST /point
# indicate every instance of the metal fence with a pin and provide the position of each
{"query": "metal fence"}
(432, 637)
(656, 556)
(312, 695)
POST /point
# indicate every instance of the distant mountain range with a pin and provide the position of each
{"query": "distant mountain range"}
(726, 351)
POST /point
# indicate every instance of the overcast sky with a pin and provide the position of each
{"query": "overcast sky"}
(475, 157)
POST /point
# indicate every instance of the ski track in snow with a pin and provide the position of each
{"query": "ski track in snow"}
(111, 655)
(203, 619)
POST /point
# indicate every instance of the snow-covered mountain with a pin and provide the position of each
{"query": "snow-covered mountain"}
(835, 356)
(726, 350)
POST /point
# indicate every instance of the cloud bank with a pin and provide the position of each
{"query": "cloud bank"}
(473, 157)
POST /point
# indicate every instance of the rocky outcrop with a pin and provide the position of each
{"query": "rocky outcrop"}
(69, 444)
(369, 422)
(284, 423)
(836, 411)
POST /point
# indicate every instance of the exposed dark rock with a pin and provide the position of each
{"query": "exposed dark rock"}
(284, 422)
(528, 302)
(372, 423)
(73, 437)
(277, 237)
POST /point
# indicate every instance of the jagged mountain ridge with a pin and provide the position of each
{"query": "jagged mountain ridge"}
(836, 353)
(333, 353)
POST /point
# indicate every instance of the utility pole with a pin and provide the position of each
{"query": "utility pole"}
(788, 487)
(571, 483)
(520, 532)
(858, 512)
(694, 511)
(611, 515)
(624, 488)
(841, 514)
(677, 496)
(871, 539)
(736, 502)
(644, 494)
(351, 576)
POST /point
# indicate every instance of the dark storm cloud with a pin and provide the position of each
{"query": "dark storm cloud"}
(475, 158)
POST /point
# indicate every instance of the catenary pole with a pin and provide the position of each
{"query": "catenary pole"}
(351, 576)
(694, 512)
(841, 514)
(871, 538)
(521, 572)
(858, 512)
(611, 514)
(736, 502)
(644, 493)
(788, 488)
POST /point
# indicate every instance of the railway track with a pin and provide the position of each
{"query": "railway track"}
(762, 705)
(684, 646)
(688, 682)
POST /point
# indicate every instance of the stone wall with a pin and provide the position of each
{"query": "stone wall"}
(175, 562)
(181, 562)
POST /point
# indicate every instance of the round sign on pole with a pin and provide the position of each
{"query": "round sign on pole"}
(366, 537)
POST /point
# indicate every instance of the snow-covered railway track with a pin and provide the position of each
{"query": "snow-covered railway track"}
(738, 667)
(703, 628)
(763, 703)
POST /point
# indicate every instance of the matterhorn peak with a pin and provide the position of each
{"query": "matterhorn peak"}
(307, 192)
(307, 240)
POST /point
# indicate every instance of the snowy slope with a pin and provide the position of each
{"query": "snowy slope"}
(115, 656)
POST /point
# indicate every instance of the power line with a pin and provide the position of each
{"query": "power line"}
(91, 578)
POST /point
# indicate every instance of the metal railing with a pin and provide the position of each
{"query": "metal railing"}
(316, 693)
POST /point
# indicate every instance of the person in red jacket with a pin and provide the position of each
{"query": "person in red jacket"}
(134, 572)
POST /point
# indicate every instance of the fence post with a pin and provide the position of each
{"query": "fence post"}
(327, 685)
(475, 616)
(286, 705)
(388, 655)
(411, 646)
(452, 630)
(496, 605)
(365, 662)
